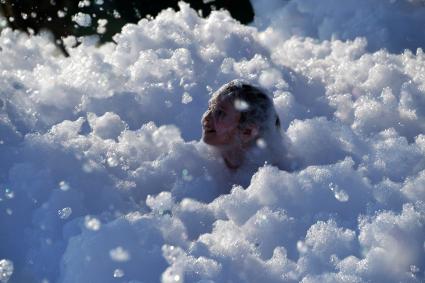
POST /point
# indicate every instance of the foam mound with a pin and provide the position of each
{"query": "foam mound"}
(103, 177)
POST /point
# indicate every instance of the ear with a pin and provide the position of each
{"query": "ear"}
(249, 133)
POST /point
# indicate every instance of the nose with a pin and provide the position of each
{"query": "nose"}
(206, 117)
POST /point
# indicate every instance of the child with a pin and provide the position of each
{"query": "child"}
(242, 124)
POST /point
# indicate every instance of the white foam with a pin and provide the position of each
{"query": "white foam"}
(109, 139)
(82, 19)
(6, 270)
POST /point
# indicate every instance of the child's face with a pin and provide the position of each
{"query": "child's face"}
(220, 123)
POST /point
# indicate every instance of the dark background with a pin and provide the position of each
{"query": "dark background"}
(56, 15)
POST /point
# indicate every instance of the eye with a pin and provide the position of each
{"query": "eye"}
(220, 113)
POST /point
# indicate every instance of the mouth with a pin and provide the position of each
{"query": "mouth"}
(209, 130)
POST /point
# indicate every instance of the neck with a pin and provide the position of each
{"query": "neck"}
(233, 157)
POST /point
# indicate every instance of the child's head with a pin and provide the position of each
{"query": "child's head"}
(238, 115)
(242, 109)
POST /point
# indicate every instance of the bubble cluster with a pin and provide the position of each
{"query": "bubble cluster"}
(340, 194)
(64, 213)
(82, 19)
(6, 270)
(92, 223)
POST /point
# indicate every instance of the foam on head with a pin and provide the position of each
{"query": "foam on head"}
(257, 108)
(253, 103)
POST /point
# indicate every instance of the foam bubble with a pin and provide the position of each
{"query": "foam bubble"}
(241, 105)
(119, 254)
(340, 194)
(65, 212)
(6, 270)
(186, 98)
(118, 273)
(64, 186)
(92, 223)
(82, 19)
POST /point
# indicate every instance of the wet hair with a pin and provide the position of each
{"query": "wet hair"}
(255, 106)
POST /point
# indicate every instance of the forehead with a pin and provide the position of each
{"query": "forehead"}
(220, 98)
(223, 102)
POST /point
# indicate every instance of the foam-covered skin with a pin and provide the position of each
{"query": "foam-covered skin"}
(92, 190)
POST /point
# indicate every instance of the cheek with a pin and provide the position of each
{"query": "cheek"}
(223, 128)
(226, 132)
(227, 124)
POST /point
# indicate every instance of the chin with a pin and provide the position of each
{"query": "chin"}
(207, 140)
